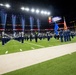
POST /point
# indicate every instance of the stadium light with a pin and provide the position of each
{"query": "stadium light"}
(27, 9)
(22, 8)
(37, 11)
(7, 6)
(1, 4)
(42, 12)
(32, 10)
(45, 12)
(48, 13)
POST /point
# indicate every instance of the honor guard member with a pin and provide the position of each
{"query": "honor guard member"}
(30, 36)
(22, 37)
(65, 35)
(61, 35)
(69, 33)
(14, 35)
(3, 38)
(19, 38)
(48, 36)
(40, 36)
(27, 37)
(36, 36)
(72, 34)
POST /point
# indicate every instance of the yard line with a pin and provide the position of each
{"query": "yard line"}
(20, 49)
(6, 52)
(32, 47)
(34, 44)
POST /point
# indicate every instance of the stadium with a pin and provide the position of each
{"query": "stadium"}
(33, 41)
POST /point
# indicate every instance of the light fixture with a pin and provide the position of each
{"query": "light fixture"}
(27, 9)
(48, 13)
(7, 5)
(1, 4)
(37, 11)
(22, 8)
(42, 12)
(32, 10)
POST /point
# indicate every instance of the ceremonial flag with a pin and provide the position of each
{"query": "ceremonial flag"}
(65, 26)
(56, 28)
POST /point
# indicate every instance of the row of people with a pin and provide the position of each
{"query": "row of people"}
(64, 35)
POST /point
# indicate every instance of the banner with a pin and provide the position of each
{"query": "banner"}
(31, 22)
(3, 19)
(23, 23)
(14, 21)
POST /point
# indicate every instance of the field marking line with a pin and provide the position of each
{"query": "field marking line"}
(32, 47)
(21, 50)
(6, 52)
(35, 44)
(17, 60)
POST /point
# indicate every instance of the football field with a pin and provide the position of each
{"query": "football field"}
(65, 65)
(57, 60)
(15, 46)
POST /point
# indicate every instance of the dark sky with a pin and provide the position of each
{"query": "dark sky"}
(65, 8)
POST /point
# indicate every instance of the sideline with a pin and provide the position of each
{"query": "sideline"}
(15, 61)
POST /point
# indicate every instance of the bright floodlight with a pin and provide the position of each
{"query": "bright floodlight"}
(32, 10)
(27, 9)
(42, 12)
(56, 19)
(7, 5)
(48, 13)
(1, 4)
(22, 8)
(45, 12)
(37, 11)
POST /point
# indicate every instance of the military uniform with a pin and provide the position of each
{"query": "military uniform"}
(61, 35)
(65, 35)
(3, 38)
(22, 37)
(36, 37)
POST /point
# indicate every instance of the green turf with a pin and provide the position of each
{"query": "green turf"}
(15, 46)
(65, 65)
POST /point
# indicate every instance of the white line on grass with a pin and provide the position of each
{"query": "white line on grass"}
(32, 47)
(6, 52)
(20, 49)
(34, 44)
